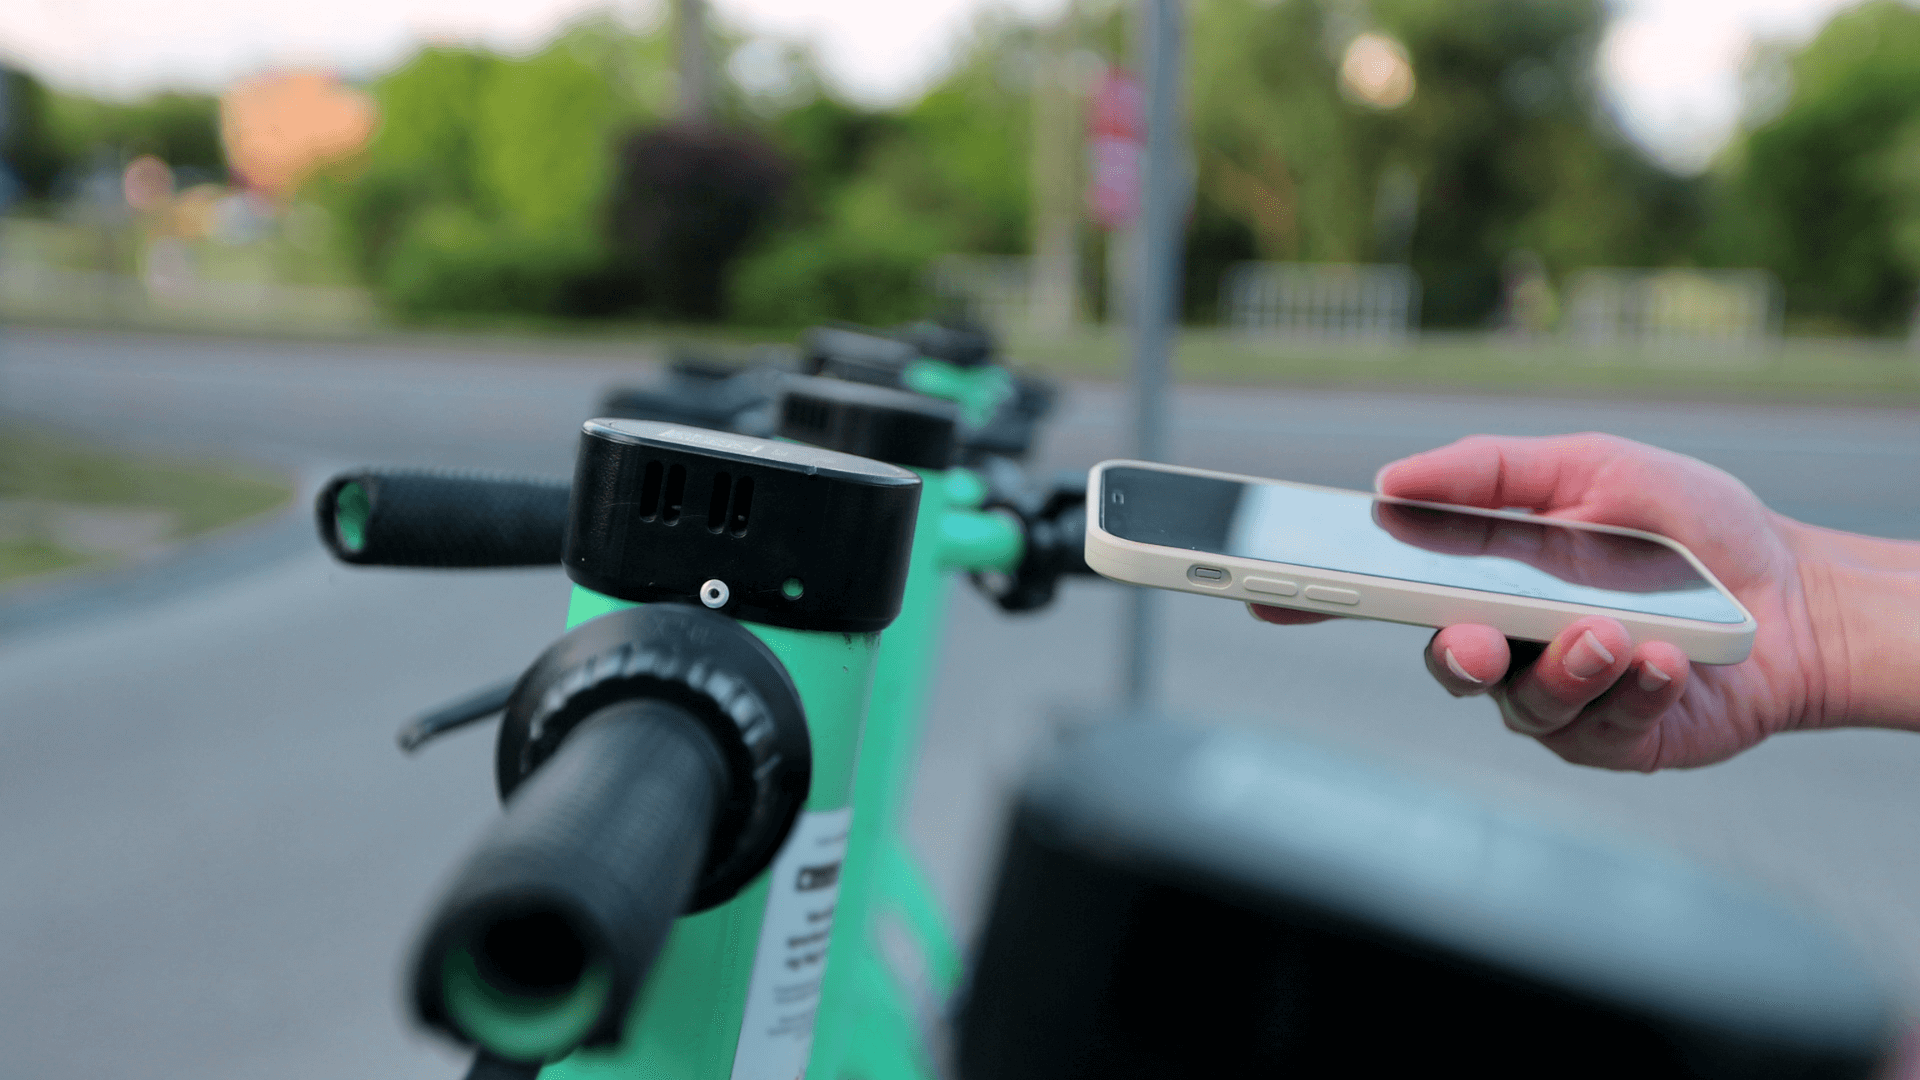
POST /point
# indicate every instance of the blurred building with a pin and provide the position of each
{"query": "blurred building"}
(279, 128)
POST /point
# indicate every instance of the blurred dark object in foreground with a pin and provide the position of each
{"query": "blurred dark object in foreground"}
(740, 393)
(1182, 902)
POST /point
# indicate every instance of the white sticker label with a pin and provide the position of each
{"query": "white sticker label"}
(776, 1034)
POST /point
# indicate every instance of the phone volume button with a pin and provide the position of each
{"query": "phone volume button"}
(1327, 594)
(1270, 586)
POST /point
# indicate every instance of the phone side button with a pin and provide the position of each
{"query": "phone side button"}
(1327, 594)
(1270, 585)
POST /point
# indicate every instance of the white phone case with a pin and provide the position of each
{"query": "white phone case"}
(1363, 596)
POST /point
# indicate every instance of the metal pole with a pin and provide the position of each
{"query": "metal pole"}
(1156, 298)
(695, 82)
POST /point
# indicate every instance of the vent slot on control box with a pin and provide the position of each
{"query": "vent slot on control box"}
(742, 506)
(717, 502)
(650, 490)
(676, 494)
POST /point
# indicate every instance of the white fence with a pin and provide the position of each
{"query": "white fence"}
(1338, 301)
(32, 289)
(166, 286)
(1682, 307)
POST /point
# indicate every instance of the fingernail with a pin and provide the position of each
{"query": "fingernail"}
(1255, 612)
(1459, 672)
(1588, 657)
(1652, 678)
(1381, 473)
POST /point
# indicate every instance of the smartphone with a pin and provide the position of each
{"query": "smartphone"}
(1375, 557)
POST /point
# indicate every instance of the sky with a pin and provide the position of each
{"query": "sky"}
(1670, 67)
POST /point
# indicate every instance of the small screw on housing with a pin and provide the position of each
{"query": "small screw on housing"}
(714, 593)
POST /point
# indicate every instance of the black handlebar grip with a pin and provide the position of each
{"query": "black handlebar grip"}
(381, 517)
(1070, 535)
(1055, 525)
(549, 927)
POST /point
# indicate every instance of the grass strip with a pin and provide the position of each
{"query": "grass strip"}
(1793, 370)
(199, 497)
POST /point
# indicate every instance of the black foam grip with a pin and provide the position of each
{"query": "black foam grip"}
(1056, 536)
(607, 838)
(1070, 534)
(421, 518)
(488, 1067)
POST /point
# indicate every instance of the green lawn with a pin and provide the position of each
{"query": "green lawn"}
(44, 479)
(1881, 372)
(29, 556)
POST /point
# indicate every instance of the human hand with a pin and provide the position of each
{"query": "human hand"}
(1593, 695)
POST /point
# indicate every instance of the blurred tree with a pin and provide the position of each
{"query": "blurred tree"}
(180, 129)
(829, 141)
(28, 144)
(449, 260)
(48, 134)
(543, 134)
(486, 188)
(688, 199)
(961, 155)
(422, 156)
(1502, 134)
(1514, 152)
(881, 193)
(1827, 193)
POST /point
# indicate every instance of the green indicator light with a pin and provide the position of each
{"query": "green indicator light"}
(792, 589)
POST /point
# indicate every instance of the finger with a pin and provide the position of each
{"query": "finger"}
(1501, 470)
(1617, 730)
(1467, 659)
(1580, 664)
(1280, 616)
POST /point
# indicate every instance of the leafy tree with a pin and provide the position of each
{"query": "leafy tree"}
(422, 156)
(1827, 193)
(28, 145)
(46, 134)
(961, 155)
(881, 193)
(486, 187)
(688, 199)
(543, 135)
(1503, 135)
(180, 129)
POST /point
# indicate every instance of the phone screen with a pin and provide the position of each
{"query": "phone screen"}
(1356, 533)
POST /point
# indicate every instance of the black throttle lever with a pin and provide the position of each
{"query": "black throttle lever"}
(1053, 520)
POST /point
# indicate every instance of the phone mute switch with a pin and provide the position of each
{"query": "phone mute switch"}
(1209, 575)
(1270, 585)
(1326, 594)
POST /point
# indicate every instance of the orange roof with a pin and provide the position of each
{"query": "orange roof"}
(279, 128)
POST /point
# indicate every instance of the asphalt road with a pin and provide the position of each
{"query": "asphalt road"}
(212, 856)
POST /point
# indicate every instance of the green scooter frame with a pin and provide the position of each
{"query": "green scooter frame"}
(874, 1017)
(895, 961)
(805, 550)
(977, 390)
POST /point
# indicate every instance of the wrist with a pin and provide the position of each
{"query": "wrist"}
(1864, 617)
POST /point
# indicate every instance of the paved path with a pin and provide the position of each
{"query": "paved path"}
(213, 856)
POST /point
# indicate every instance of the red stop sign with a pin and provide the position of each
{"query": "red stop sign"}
(1116, 134)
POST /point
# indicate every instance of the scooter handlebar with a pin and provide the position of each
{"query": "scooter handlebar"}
(406, 517)
(1054, 522)
(552, 923)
